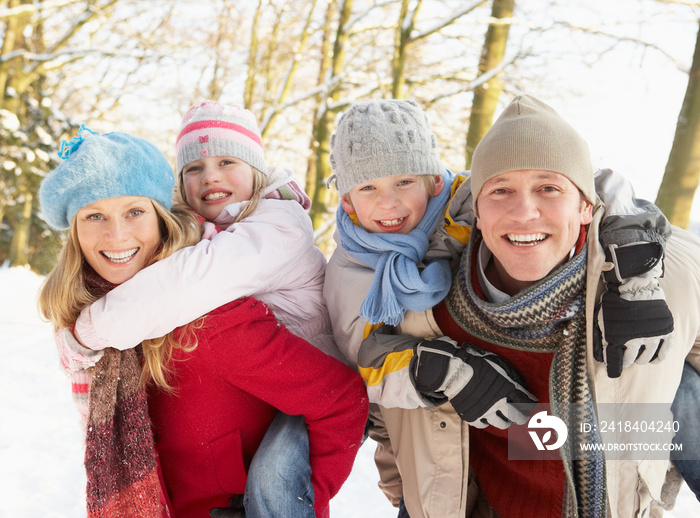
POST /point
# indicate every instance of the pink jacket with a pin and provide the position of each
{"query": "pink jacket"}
(269, 255)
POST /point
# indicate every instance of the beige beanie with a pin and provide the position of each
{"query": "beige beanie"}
(529, 134)
(380, 138)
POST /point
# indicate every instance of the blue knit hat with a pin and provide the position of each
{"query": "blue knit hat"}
(96, 167)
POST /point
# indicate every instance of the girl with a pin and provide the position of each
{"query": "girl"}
(212, 386)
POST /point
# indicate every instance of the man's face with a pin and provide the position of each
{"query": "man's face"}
(393, 204)
(530, 220)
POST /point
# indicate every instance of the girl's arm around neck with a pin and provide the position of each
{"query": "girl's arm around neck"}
(260, 254)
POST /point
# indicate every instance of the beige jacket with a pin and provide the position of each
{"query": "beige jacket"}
(430, 446)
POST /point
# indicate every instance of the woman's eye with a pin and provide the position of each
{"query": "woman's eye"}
(135, 212)
(94, 217)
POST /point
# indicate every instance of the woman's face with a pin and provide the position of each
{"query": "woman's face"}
(118, 236)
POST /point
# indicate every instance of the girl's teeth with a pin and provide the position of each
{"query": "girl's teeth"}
(120, 257)
(215, 196)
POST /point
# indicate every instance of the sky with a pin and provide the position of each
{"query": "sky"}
(626, 100)
(41, 450)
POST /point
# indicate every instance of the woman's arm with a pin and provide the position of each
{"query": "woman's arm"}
(258, 254)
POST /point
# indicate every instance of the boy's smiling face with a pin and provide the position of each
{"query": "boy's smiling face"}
(392, 204)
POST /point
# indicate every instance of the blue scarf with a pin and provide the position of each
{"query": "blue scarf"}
(398, 284)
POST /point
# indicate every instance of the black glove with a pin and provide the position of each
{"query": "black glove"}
(483, 388)
(235, 510)
(634, 322)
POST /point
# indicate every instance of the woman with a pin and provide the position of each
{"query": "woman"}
(210, 388)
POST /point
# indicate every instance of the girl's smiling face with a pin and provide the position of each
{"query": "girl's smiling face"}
(211, 183)
(118, 236)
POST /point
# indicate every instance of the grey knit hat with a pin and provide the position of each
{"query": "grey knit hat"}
(529, 134)
(382, 138)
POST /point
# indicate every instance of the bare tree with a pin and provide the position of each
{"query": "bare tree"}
(682, 175)
(486, 95)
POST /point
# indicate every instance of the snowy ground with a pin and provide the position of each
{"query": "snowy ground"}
(41, 472)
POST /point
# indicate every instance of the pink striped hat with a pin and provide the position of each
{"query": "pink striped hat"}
(213, 129)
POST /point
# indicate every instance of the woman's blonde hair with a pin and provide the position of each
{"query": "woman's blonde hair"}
(259, 184)
(66, 291)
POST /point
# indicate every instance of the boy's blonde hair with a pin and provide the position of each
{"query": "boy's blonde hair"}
(259, 184)
(65, 291)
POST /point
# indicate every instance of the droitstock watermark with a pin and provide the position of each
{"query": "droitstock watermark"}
(623, 431)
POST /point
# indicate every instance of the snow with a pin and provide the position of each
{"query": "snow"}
(41, 452)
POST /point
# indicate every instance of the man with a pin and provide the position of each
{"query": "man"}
(525, 296)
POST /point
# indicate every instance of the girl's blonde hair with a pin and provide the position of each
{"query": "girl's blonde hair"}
(259, 184)
(65, 291)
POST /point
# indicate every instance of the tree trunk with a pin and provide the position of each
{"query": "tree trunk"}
(19, 249)
(252, 60)
(682, 174)
(324, 67)
(324, 198)
(402, 36)
(486, 96)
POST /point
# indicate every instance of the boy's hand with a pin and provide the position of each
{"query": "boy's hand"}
(634, 322)
(483, 388)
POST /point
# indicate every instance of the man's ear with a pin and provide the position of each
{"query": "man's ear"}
(439, 185)
(587, 213)
(347, 204)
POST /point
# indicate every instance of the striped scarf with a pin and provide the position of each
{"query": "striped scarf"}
(120, 458)
(547, 317)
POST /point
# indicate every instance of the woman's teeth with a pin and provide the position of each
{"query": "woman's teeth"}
(120, 257)
(216, 196)
(526, 239)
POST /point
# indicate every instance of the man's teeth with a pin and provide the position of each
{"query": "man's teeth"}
(120, 257)
(526, 239)
(391, 222)
(216, 196)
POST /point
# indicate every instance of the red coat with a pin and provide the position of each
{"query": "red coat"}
(245, 367)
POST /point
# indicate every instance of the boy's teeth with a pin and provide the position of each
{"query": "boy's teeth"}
(120, 257)
(215, 196)
(526, 239)
(391, 222)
